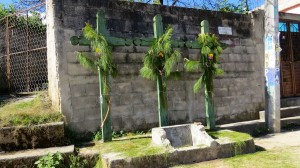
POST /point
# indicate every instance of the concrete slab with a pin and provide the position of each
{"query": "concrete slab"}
(182, 135)
(184, 155)
(279, 140)
(26, 158)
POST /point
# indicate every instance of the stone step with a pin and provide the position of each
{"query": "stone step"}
(255, 126)
(26, 158)
(285, 112)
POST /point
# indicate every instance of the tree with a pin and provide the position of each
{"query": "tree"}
(220, 5)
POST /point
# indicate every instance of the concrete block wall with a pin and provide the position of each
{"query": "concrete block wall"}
(74, 90)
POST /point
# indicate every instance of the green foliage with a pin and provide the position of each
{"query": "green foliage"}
(161, 58)
(102, 58)
(97, 136)
(6, 11)
(31, 112)
(51, 160)
(226, 6)
(77, 162)
(208, 63)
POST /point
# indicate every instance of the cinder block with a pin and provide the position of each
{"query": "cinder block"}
(85, 102)
(241, 67)
(143, 85)
(92, 113)
(119, 57)
(136, 57)
(178, 105)
(251, 50)
(141, 109)
(228, 67)
(78, 115)
(235, 57)
(124, 87)
(177, 95)
(151, 118)
(92, 89)
(247, 42)
(228, 50)
(71, 57)
(77, 90)
(91, 125)
(150, 97)
(221, 92)
(239, 49)
(131, 98)
(122, 110)
(78, 70)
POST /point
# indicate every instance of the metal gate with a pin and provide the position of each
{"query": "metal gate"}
(23, 54)
(290, 58)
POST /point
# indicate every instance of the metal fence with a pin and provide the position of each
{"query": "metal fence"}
(23, 51)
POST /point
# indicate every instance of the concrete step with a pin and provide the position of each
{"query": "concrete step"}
(255, 127)
(26, 158)
(285, 112)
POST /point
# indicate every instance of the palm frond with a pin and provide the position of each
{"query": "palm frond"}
(86, 61)
(198, 84)
(192, 65)
(174, 75)
(160, 58)
(148, 73)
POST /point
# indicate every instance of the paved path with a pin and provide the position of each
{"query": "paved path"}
(284, 139)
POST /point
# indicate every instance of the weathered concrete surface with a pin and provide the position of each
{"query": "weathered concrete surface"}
(182, 135)
(37, 136)
(90, 155)
(285, 112)
(74, 90)
(183, 155)
(284, 139)
(26, 158)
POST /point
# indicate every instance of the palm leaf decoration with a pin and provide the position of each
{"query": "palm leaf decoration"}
(161, 58)
(208, 63)
(102, 58)
(159, 65)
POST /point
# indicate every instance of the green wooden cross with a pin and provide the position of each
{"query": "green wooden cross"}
(115, 41)
(209, 106)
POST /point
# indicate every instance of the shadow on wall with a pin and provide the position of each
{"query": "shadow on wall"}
(3, 84)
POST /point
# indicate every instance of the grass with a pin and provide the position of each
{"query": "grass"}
(229, 135)
(130, 147)
(25, 113)
(276, 158)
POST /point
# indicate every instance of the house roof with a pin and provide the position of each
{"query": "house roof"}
(289, 6)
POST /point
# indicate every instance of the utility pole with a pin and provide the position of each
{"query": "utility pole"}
(272, 67)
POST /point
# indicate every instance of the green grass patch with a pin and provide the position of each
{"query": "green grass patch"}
(277, 158)
(130, 147)
(230, 135)
(31, 112)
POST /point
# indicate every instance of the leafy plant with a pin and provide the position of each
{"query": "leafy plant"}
(102, 55)
(97, 136)
(101, 61)
(208, 64)
(158, 65)
(51, 160)
(77, 162)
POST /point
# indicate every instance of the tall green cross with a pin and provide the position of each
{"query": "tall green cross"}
(115, 41)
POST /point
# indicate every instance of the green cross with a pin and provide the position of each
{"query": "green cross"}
(115, 41)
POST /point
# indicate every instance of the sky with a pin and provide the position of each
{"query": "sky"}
(5, 2)
(254, 3)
